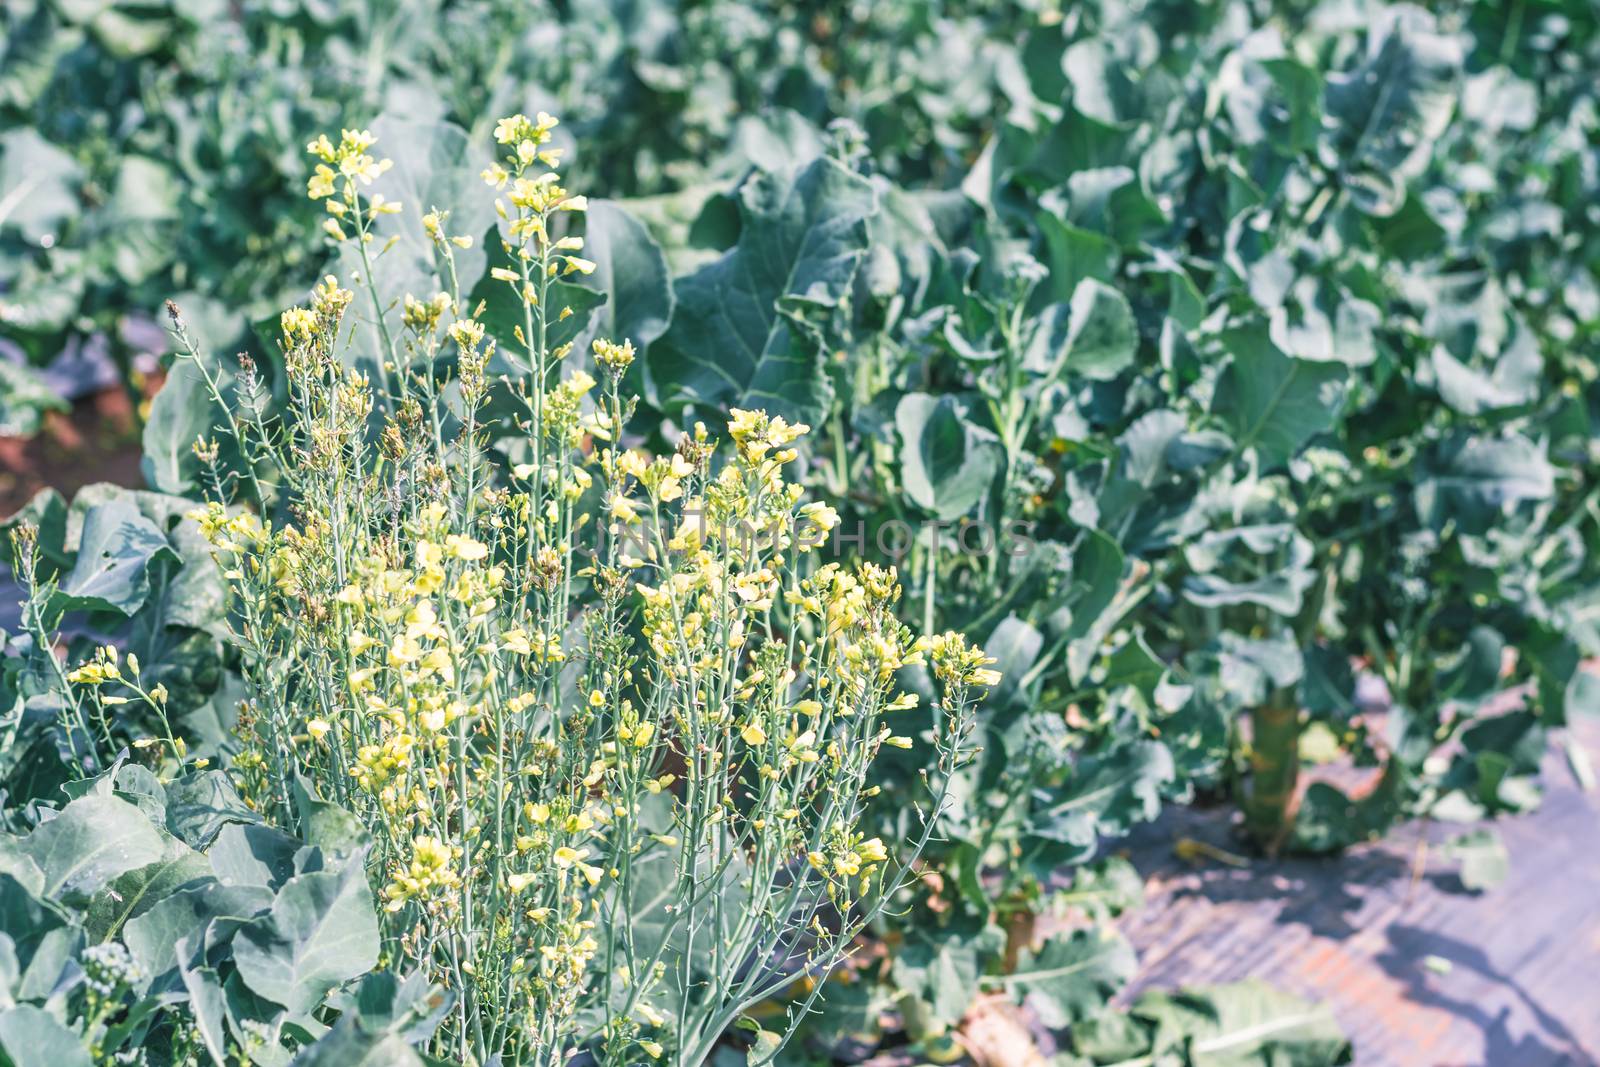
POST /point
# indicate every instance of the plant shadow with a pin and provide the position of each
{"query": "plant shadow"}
(1546, 1042)
(1325, 894)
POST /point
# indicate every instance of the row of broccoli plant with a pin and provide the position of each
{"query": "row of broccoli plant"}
(1222, 383)
(152, 150)
(1235, 543)
(417, 636)
(1252, 360)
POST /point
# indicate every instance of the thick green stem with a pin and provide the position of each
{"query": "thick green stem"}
(1270, 796)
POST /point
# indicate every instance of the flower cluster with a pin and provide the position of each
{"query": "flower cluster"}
(344, 167)
(109, 969)
(551, 676)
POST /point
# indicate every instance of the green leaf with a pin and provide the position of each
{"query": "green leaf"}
(1274, 403)
(195, 596)
(1073, 975)
(1234, 1025)
(145, 201)
(326, 825)
(40, 937)
(206, 1000)
(322, 930)
(30, 1035)
(942, 966)
(180, 413)
(1388, 111)
(1098, 564)
(154, 936)
(1103, 889)
(1274, 101)
(48, 511)
(93, 840)
(1134, 664)
(947, 464)
(905, 252)
(201, 803)
(1512, 381)
(1103, 337)
(746, 332)
(115, 552)
(1275, 556)
(38, 185)
(1320, 323)
(25, 396)
(632, 273)
(1248, 669)
(1074, 255)
(253, 856)
(1485, 863)
(1014, 646)
(135, 892)
(1474, 479)
(1105, 796)
(349, 1045)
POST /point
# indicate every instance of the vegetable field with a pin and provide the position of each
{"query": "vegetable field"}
(752, 532)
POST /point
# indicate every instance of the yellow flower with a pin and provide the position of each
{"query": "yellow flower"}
(429, 555)
(404, 649)
(623, 508)
(753, 735)
(820, 515)
(320, 184)
(613, 357)
(465, 548)
(318, 729)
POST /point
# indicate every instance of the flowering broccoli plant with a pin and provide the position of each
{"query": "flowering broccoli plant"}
(608, 723)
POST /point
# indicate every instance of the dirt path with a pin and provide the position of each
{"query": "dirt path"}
(1419, 971)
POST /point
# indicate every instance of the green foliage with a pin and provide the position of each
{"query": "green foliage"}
(1257, 340)
(152, 150)
(1071, 978)
(1247, 1023)
(120, 907)
(745, 333)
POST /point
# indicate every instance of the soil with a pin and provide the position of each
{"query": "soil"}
(1419, 970)
(97, 441)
